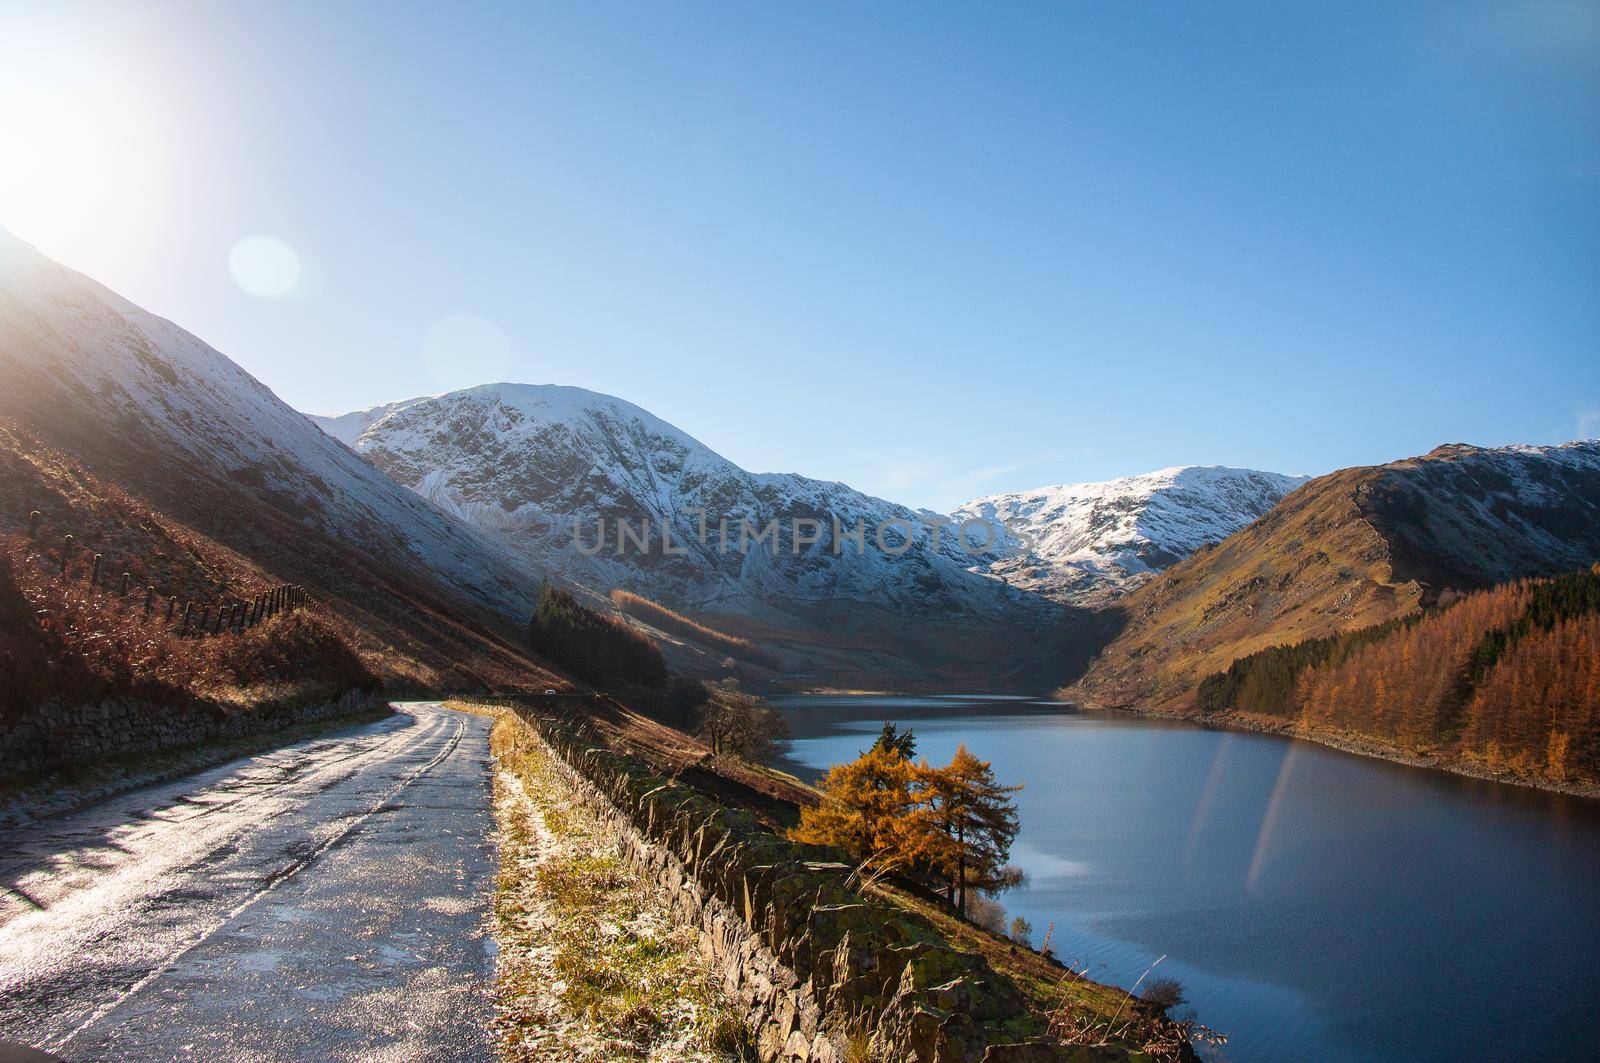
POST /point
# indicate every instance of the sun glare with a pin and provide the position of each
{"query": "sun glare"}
(86, 145)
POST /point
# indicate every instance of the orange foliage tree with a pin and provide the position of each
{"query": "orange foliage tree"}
(1507, 677)
(953, 824)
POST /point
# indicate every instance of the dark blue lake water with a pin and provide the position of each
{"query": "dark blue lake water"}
(1314, 904)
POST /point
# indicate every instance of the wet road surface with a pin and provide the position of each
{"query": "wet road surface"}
(322, 901)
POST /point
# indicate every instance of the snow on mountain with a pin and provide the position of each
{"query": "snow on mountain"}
(547, 467)
(1467, 516)
(1088, 540)
(347, 427)
(162, 411)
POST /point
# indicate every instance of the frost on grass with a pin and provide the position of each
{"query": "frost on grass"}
(590, 965)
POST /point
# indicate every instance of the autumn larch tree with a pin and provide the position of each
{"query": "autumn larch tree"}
(953, 824)
(972, 821)
(865, 806)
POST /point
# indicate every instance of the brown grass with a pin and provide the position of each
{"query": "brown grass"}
(170, 525)
(62, 639)
(591, 964)
(658, 615)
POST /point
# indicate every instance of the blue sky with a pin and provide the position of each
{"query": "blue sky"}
(934, 251)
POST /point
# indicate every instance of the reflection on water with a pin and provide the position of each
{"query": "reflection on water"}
(1313, 904)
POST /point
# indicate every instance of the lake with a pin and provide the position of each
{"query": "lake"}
(1313, 904)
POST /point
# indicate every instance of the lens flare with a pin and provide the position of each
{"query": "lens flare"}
(1270, 819)
(265, 267)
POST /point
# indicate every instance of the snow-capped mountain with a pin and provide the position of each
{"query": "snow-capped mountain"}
(584, 483)
(160, 413)
(347, 427)
(1086, 541)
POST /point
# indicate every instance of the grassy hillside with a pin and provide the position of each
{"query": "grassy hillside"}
(69, 637)
(96, 393)
(1311, 567)
(1355, 548)
(216, 542)
(659, 616)
(62, 641)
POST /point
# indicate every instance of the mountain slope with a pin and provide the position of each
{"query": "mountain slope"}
(1092, 541)
(1500, 681)
(148, 407)
(1356, 547)
(545, 468)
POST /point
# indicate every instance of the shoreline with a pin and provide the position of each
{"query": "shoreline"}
(1355, 745)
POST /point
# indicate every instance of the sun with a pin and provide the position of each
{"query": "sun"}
(86, 144)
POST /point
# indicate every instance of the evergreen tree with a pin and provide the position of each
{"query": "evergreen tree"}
(891, 739)
(590, 644)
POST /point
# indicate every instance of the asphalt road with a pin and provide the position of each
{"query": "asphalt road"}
(323, 901)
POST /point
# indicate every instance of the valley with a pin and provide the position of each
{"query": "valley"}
(1438, 610)
(777, 533)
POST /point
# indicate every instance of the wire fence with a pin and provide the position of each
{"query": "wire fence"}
(187, 617)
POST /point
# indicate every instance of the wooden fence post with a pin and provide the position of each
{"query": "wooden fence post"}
(33, 524)
(94, 573)
(149, 598)
(123, 592)
(66, 553)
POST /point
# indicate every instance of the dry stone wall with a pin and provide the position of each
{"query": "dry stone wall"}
(53, 735)
(812, 960)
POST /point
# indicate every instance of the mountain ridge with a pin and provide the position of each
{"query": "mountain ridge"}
(523, 459)
(1355, 547)
(145, 405)
(1093, 541)
(556, 472)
